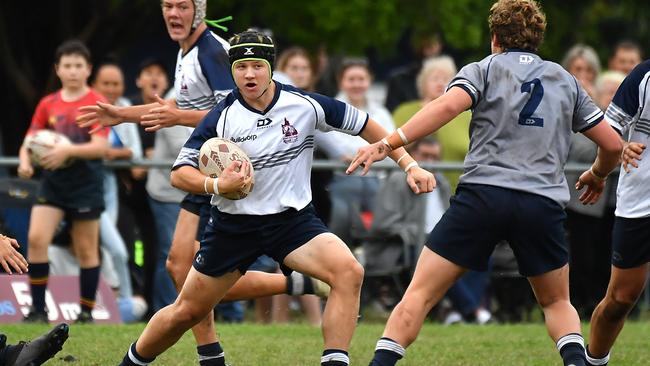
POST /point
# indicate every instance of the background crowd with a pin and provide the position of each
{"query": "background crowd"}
(377, 215)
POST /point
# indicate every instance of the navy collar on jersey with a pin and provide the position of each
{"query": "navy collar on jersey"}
(198, 39)
(278, 89)
(519, 50)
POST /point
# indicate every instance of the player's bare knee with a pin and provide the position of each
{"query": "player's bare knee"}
(186, 315)
(349, 275)
(618, 305)
(547, 302)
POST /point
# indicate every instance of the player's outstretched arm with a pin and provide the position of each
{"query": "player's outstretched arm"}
(430, 118)
(234, 178)
(166, 114)
(610, 146)
(10, 257)
(420, 180)
(105, 114)
(631, 154)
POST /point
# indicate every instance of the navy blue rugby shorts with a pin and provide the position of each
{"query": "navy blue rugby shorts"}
(480, 216)
(234, 242)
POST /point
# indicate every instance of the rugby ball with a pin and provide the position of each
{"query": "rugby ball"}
(218, 153)
(41, 142)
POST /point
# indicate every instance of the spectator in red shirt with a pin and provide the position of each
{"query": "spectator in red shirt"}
(72, 181)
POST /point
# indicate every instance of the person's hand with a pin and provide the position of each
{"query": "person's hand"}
(56, 157)
(165, 115)
(420, 180)
(235, 177)
(25, 169)
(594, 184)
(631, 153)
(368, 155)
(104, 114)
(10, 257)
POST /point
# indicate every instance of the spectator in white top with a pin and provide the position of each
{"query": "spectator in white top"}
(352, 195)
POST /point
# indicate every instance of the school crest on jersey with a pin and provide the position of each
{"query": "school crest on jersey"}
(184, 90)
(289, 133)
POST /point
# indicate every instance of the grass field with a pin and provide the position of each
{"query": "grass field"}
(300, 345)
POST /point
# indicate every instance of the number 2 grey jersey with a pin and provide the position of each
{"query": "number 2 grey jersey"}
(524, 110)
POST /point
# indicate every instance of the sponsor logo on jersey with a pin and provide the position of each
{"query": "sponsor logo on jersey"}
(289, 133)
(526, 59)
(264, 123)
(239, 139)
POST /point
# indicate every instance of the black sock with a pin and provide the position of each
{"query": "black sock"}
(132, 358)
(335, 357)
(572, 349)
(38, 275)
(299, 284)
(211, 355)
(595, 361)
(88, 281)
(387, 352)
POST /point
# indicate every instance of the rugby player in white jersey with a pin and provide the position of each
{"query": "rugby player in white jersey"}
(202, 79)
(277, 218)
(629, 114)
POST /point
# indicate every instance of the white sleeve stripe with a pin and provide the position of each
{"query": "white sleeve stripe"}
(593, 114)
(187, 156)
(615, 114)
(595, 117)
(465, 83)
(346, 116)
(351, 117)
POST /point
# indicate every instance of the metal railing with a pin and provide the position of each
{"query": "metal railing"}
(319, 165)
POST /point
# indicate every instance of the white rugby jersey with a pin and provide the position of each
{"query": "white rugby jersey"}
(202, 76)
(630, 111)
(279, 142)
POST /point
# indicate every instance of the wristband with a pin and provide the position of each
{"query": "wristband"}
(215, 185)
(599, 177)
(405, 141)
(385, 142)
(401, 157)
(205, 185)
(411, 165)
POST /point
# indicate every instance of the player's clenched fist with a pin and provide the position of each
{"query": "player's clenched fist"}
(235, 177)
(420, 180)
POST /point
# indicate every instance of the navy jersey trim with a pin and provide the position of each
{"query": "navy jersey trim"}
(337, 114)
(590, 126)
(364, 125)
(310, 102)
(487, 73)
(468, 91)
(214, 62)
(276, 96)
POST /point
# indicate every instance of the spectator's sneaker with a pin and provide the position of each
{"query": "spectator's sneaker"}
(85, 317)
(321, 289)
(41, 349)
(36, 317)
(453, 317)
